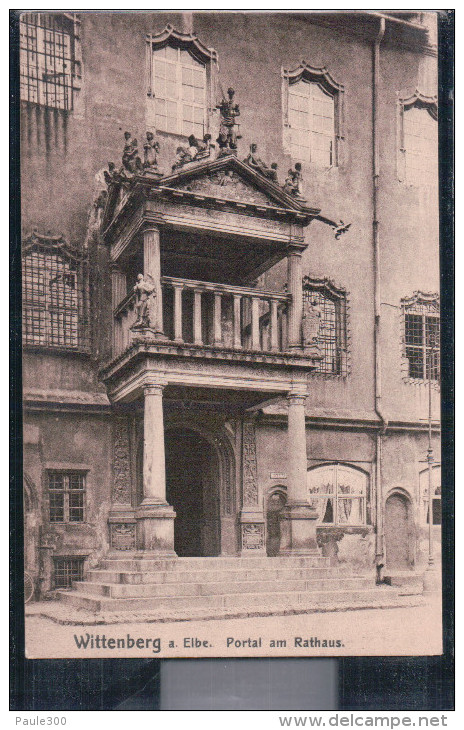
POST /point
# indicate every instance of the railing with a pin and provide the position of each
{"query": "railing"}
(217, 315)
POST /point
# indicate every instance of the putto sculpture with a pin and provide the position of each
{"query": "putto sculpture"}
(143, 290)
(294, 181)
(131, 161)
(257, 164)
(229, 111)
(151, 149)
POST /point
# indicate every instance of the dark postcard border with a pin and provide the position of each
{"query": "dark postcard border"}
(366, 683)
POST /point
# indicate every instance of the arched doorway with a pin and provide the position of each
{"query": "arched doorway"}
(276, 501)
(192, 488)
(398, 532)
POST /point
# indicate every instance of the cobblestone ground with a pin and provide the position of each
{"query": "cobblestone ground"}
(388, 631)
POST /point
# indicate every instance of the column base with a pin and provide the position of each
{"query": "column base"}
(298, 530)
(252, 542)
(155, 529)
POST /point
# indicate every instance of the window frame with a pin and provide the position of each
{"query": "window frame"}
(79, 559)
(407, 307)
(35, 59)
(199, 52)
(336, 496)
(329, 290)
(54, 309)
(405, 103)
(66, 475)
(320, 76)
(423, 495)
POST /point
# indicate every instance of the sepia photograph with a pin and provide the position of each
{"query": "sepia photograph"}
(230, 333)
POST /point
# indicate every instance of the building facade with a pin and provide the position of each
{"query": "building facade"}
(231, 339)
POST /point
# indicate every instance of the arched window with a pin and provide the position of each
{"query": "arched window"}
(55, 295)
(339, 493)
(436, 495)
(418, 140)
(312, 115)
(332, 328)
(180, 83)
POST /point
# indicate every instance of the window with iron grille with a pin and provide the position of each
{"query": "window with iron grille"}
(66, 570)
(422, 336)
(66, 496)
(47, 59)
(332, 325)
(55, 295)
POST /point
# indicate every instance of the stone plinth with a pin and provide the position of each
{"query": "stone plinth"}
(155, 529)
(298, 530)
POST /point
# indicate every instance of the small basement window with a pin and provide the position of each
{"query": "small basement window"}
(66, 570)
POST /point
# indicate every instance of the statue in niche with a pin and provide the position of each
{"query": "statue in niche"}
(229, 111)
(143, 290)
(131, 161)
(294, 181)
(150, 152)
(257, 164)
(312, 314)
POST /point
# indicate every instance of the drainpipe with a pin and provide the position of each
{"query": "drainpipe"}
(379, 534)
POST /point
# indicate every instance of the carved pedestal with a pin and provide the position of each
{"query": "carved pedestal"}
(252, 535)
(155, 529)
(121, 520)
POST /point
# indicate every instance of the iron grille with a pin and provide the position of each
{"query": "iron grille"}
(331, 339)
(67, 570)
(421, 335)
(55, 300)
(47, 60)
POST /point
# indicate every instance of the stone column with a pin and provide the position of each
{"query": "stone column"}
(298, 518)
(155, 517)
(295, 289)
(152, 267)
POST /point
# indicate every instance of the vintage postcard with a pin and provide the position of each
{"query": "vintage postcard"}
(231, 316)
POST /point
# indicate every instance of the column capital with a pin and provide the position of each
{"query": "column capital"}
(154, 387)
(154, 225)
(295, 248)
(297, 396)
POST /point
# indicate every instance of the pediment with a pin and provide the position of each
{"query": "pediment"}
(222, 183)
(230, 179)
(226, 184)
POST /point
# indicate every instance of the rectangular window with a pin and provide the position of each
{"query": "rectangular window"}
(311, 118)
(55, 300)
(331, 337)
(47, 59)
(66, 493)
(179, 92)
(421, 338)
(66, 570)
(420, 146)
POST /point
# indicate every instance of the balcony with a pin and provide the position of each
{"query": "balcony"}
(211, 316)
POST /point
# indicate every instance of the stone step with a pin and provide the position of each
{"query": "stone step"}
(120, 590)
(210, 575)
(188, 564)
(250, 600)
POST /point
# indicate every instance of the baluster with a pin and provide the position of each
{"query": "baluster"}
(237, 322)
(274, 332)
(255, 340)
(178, 312)
(197, 333)
(217, 328)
